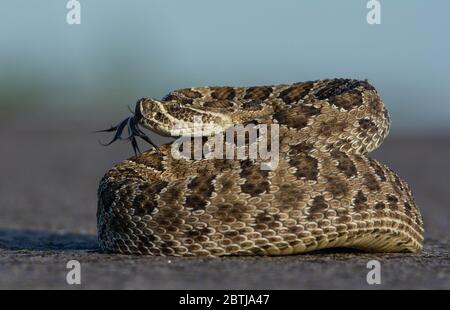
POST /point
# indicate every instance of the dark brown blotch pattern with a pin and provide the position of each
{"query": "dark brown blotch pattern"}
(331, 126)
(376, 104)
(377, 169)
(360, 202)
(367, 125)
(174, 194)
(337, 187)
(223, 93)
(338, 87)
(392, 202)
(259, 93)
(345, 164)
(255, 179)
(301, 148)
(371, 182)
(107, 195)
(319, 205)
(144, 202)
(296, 117)
(347, 101)
(200, 190)
(380, 206)
(307, 167)
(252, 105)
(408, 209)
(296, 92)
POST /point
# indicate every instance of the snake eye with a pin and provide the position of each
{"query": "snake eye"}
(175, 106)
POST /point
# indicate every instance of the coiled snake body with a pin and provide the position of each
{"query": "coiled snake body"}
(324, 193)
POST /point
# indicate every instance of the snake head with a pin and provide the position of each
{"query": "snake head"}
(168, 118)
(174, 118)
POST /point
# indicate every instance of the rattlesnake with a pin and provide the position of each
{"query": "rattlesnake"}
(324, 193)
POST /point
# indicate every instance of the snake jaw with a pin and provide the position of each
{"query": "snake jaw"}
(134, 132)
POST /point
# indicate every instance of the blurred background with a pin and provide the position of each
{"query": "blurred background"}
(59, 82)
(121, 52)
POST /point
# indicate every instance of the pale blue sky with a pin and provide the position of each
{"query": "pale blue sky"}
(124, 50)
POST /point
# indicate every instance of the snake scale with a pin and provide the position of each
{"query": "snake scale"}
(325, 192)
